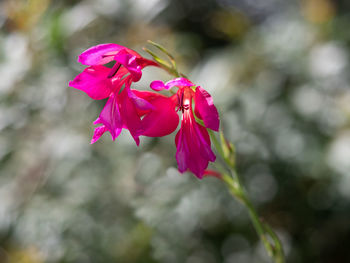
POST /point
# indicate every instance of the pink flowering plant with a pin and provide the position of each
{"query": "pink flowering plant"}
(152, 114)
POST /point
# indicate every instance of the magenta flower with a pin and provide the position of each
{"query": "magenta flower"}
(105, 53)
(124, 108)
(192, 140)
(148, 113)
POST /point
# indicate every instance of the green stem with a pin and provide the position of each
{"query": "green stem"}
(226, 151)
(274, 248)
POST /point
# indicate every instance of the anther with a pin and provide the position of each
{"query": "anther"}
(114, 70)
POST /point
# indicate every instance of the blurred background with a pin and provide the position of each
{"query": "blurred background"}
(279, 74)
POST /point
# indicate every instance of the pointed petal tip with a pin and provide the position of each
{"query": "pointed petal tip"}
(181, 172)
(199, 176)
(95, 138)
(181, 169)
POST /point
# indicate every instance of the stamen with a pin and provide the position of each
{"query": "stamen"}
(180, 101)
(114, 70)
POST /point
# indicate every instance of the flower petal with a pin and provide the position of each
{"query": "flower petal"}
(130, 62)
(206, 110)
(99, 131)
(99, 55)
(193, 146)
(110, 117)
(130, 115)
(158, 85)
(94, 82)
(139, 102)
(144, 62)
(182, 82)
(162, 119)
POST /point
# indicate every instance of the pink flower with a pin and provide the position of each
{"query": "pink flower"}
(148, 113)
(192, 140)
(123, 109)
(99, 81)
(105, 53)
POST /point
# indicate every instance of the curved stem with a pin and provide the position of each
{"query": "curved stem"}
(266, 234)
(226, 152)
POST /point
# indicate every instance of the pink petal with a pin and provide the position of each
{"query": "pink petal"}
(110, 117)
(139, 102)
(204, 142)
(206, 110)
(181, 82)
(158, 85)
(144, 62)
(193, 146)
(163, 119)
(130, 115)
(94, 82)
(99, 131)
(119, 76)
(99, 55)
(130, 62)
(182, 151)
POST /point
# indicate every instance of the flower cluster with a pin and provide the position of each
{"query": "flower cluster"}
(148, 113)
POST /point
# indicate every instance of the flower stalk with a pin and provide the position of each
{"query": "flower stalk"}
(269, 238)
(226, 150)
(146, 113)
(170, 68)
